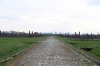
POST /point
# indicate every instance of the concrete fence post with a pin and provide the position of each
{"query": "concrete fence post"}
(79, 34)
(3, 33)
(91, 35)
(6, 33)
(68, 34)
(0, 32)
(75, 35)
(12, 34)
(32, 34)
(83, 35)
(29, 33)
(87, 35)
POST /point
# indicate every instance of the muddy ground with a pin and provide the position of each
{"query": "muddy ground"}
(52, 52)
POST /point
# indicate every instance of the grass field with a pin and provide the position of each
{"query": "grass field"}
(10, 46)
(92, 44)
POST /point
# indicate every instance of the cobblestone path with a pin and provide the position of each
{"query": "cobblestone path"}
(52, 52)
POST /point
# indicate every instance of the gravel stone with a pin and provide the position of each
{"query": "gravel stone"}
(53, 52)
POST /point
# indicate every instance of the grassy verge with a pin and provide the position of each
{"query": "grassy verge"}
(10, 46)
(83, 45)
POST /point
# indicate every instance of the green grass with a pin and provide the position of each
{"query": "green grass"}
(10, 46)
(84, 43)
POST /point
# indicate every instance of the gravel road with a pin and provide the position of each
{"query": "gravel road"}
(53, 52)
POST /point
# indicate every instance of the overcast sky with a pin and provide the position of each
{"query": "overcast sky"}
(50, 15)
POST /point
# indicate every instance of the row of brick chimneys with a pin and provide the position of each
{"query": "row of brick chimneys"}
(77, 35)
(36, 34)
(19, 34)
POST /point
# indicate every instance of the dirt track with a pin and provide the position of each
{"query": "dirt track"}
(52, 52)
